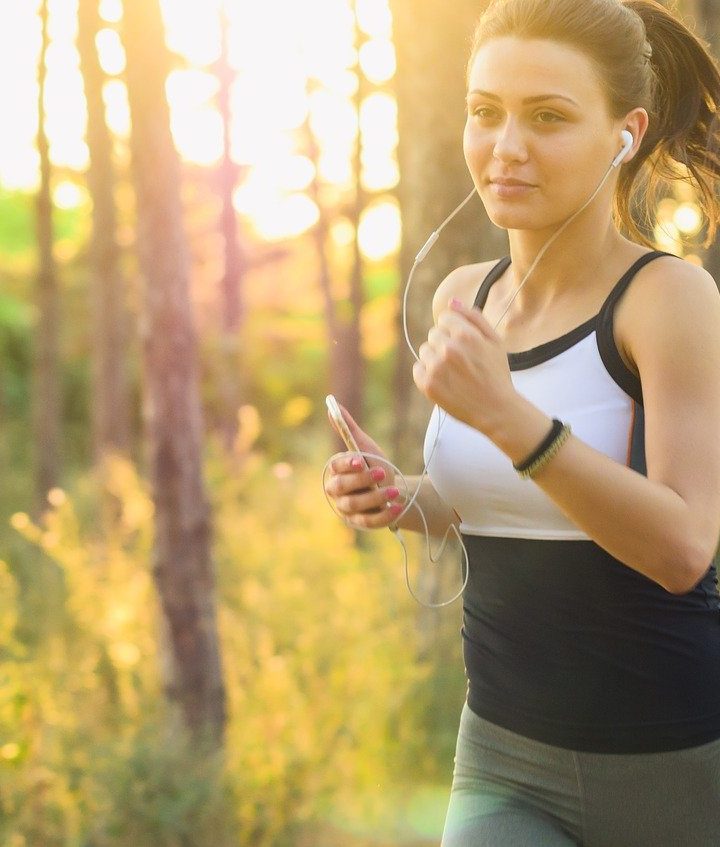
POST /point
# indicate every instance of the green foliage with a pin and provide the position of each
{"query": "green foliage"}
(17, 223)
(319, 658)
(15, 354)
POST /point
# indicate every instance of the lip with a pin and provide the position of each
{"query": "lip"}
(506, 187)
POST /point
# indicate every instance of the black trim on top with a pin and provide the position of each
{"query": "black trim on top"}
(495, 273)
(536, 355)
(602, 323)
(607, 347)
(543, 352)
(637, 441)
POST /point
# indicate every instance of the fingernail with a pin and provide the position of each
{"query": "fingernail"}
(392, 493)
(455, 303)
(356, 463)
(377, 474)
(396, 509)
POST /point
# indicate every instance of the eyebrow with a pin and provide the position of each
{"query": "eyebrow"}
(538, 98)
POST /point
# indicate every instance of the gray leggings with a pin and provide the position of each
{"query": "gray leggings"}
(511, 791)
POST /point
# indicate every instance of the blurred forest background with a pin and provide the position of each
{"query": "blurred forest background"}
(207, 212)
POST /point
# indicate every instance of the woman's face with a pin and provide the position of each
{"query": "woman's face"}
(539, 135)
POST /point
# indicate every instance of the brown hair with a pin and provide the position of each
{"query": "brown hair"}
(646, 57)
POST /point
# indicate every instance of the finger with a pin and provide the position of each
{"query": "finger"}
(457, 327)
(370, 502)
(419, 373)
(380, 520)
(427, 354)
(355, 481)
(473, 316)
(347, 462)
(438, 338)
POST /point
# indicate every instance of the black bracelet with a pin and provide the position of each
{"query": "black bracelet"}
(557, 427)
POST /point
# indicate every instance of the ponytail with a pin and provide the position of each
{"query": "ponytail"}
(683, 139)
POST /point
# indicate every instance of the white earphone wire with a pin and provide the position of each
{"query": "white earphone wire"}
(442, 416)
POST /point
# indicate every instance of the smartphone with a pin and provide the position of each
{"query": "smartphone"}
(340, 425)
(344, 433)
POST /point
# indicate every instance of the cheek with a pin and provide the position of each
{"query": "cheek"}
(475, 144)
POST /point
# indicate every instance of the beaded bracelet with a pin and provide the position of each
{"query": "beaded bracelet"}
(548, 448)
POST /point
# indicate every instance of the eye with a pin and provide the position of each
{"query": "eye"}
(546, 117)
(483, 113)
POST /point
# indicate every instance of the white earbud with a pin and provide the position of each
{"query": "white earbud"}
(628, 142)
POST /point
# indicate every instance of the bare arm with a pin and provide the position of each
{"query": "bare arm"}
(665, 525)
(438, 514)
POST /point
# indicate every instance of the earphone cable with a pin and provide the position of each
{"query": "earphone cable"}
(442, 416)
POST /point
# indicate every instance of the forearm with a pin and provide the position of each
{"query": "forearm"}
(641, 522)
(438, 514)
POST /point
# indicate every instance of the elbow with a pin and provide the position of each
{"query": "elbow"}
(687, 567)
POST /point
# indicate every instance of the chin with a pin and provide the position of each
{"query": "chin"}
(515, 215)
(511, 218)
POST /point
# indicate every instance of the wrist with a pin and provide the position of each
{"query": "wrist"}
(522, 427)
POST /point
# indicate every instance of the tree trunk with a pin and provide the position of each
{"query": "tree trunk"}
(47, 399)
(231, 284)
(111, 420)
(345, 360)
(349, 376)
(432, 43)
(183, 568)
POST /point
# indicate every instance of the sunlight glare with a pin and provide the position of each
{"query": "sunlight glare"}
(66, 113)
(325, 57)
(111, 11)
(374, 17)
(295, 173)
(20, 166)
(285, 218)
(379, 230)
(191, 88)
(333, 119)
(69, 195)
(62, 21)
(334, 166)
(193, 29)
(117, 107)
(198, 135)
(378, 121)
(379, 172)
(342, 232)
(294, 62)
(688, 219)
(667, 237)
(377, 60)
(196, 124)
(19, 48)
(255, 104)
(110, 51)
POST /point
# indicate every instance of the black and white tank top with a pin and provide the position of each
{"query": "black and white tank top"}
(562, 642)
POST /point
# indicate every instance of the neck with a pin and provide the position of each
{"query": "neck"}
(584, 245)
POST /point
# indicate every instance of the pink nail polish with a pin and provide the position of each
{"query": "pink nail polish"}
(356, 463)
(397, 508)
(377, 474)
(392, 493)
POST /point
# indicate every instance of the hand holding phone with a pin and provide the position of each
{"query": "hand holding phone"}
(340, 425)
(372, 488)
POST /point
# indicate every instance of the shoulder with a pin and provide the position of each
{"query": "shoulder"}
(463, 283)
(671, 305)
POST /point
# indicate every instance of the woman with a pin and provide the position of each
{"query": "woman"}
(591, 614)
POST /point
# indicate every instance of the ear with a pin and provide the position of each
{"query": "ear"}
(636, 122)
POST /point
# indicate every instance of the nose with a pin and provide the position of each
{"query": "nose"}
(509, 143)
